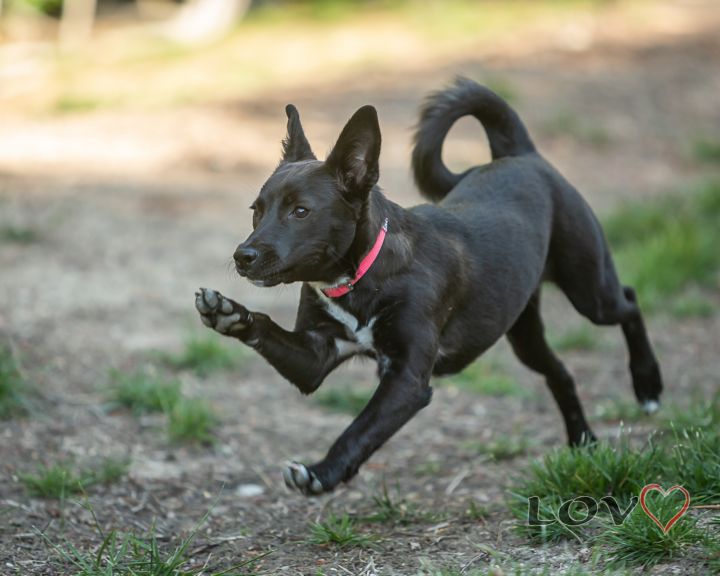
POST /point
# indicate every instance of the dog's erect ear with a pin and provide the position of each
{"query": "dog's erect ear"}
(295, 146)
(355, 156)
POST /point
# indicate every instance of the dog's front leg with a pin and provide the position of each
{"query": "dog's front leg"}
(402, 392)
(305, 358)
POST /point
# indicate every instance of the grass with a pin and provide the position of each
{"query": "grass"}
(694, 462)
(707, 150)
(188, 420)
(143, 391)
(203, 355)
(340, 531)
(692, 304)
(326, 37)
(12, 384)
(128, 554)
(568, 124)
(617, 411)
(596, 471)
(689, 457)
(18, 235)
(501, 86)
(477, 511)
(69, 104)
(581, 338)
(503, 448)
(429, 468)
(483, 378)
(191, 420)
(390, 510)
(639, 541)
(344, 399)
(702, 413)
(60, 480)
(56, 481)
(665, 246)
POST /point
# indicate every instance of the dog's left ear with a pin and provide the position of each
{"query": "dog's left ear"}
(355, 157)
(295, 145)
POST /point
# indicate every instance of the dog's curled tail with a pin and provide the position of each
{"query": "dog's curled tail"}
(506, 133)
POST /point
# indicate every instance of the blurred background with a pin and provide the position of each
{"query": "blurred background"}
(134, 134)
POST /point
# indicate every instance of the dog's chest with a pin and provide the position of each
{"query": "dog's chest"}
(360, 336)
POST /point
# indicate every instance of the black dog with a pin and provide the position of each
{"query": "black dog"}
(423, 291)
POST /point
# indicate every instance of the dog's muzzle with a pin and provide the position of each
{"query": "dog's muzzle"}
(244, 258)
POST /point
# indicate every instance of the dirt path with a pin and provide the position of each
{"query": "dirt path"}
(133, 211)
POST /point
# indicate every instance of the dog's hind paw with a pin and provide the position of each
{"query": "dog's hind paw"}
(650, 406)
(220, 313)
(298, 477)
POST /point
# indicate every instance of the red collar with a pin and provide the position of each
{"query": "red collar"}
(364, 266)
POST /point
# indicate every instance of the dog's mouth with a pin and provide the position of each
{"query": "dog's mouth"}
(272, 271)
(267, 279)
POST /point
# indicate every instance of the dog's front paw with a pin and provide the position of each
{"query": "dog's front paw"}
(220, 313)
(298, 477)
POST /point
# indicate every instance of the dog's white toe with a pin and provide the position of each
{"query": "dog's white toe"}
(200, 304)
(650, 406)
(211, 298)
(298, 477)
(316, 486)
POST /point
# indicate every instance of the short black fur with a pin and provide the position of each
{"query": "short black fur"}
(452, 278)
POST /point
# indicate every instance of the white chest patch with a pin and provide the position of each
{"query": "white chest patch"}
(362, 335)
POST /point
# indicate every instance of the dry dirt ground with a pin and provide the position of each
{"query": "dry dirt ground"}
(135, 210)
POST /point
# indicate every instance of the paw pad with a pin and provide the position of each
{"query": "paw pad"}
(298, 477)
(221, 313)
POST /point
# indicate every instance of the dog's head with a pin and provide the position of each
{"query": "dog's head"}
(306, 215)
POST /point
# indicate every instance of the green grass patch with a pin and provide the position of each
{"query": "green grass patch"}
(109, 471)
(484, 378)
(429, 468)
(692, 304)
(203, 355)
(191, 420)
(12, 385)
(617, 411)
(685, 457)
(56, 481)
(502, 87)
(707, 150)
(569, 124)
(129, 554)
(60, 480)
(345, 399)
(580, 338)
(639, 541)
(498, 449)
(398, 511)
(693, 462)
(596, 471)
(71, 104)
(664, 246)
(143, 391)
(341, 531)
(703, 413)
(18, 235)
(477, 511)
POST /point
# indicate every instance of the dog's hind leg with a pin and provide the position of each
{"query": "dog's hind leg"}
(527, 339)
(601, 298)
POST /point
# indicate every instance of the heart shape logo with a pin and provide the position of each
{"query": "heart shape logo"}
(656, 487)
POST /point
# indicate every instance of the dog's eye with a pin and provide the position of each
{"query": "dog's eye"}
(300, 212)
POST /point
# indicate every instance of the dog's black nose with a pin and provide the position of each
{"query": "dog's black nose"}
(244, 257)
